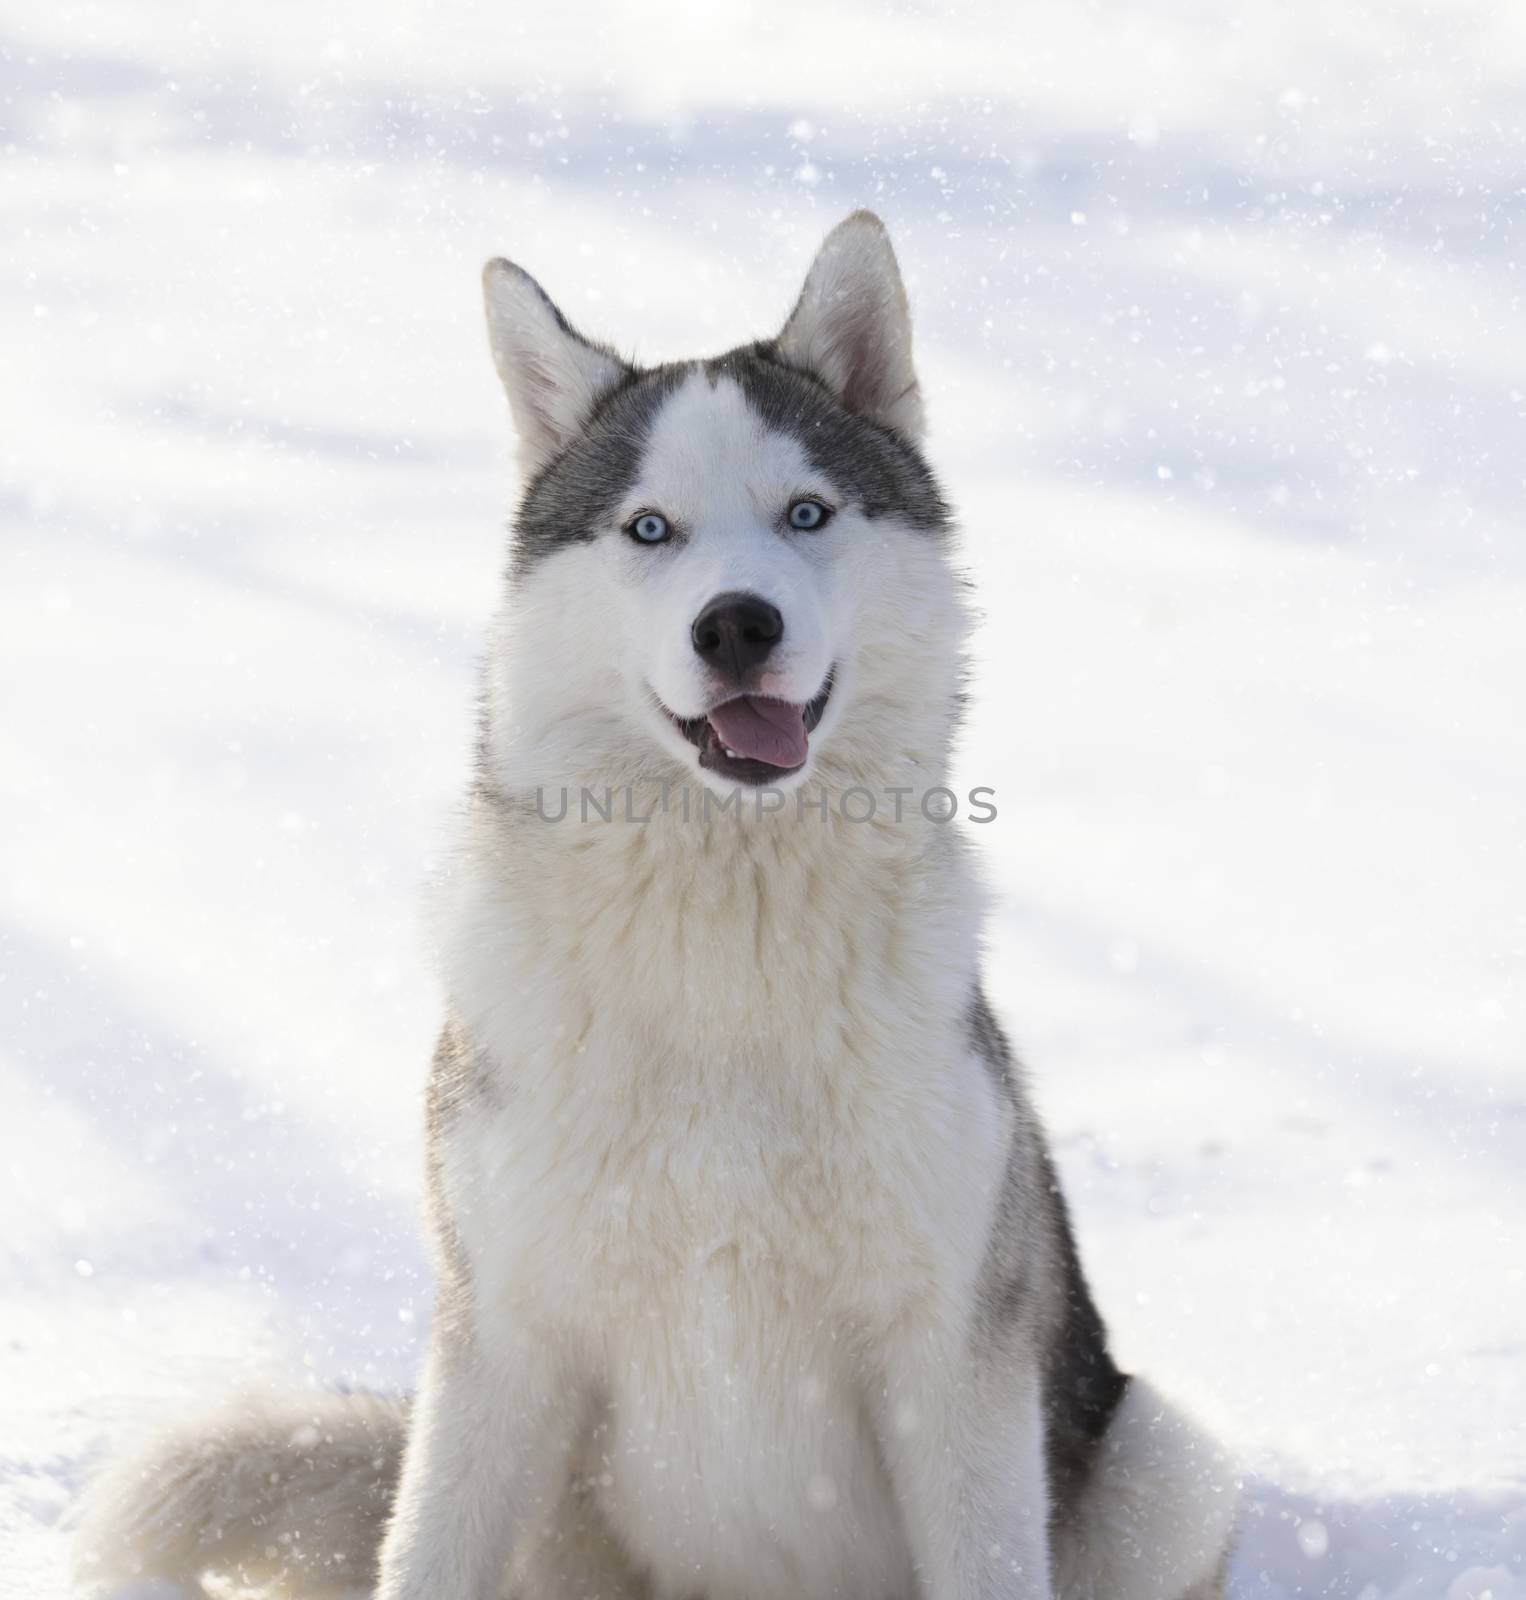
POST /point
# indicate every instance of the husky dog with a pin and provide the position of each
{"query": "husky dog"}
(755, 1278)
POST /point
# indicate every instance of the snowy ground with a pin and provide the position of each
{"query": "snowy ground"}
(1220, 316)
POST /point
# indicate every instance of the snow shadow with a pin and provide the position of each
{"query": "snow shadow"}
(1398, 1547)
(256, 1194)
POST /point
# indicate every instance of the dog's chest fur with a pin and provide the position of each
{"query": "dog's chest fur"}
(725, 1134)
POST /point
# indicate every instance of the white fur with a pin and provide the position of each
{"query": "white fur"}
(671, 1195)
(671, 1192)
(725, 1189)
(581, 649)
(726, 481)
(283, 1494)
(1156, 1518)
(734, 1062)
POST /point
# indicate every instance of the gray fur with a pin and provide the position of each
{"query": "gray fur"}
(1033, 1291)
(572, 499)
(878, 466)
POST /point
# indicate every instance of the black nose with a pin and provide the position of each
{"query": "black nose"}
(736, 632)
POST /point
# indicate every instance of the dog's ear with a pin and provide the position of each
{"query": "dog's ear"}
(553, 375)
(852, 327)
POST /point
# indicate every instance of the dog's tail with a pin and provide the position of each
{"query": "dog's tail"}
(1156, 1519)
(289, 1496)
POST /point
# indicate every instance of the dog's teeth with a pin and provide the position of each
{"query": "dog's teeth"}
(729, 751)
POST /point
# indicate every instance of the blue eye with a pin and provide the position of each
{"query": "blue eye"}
(808, 514)
(649, 528)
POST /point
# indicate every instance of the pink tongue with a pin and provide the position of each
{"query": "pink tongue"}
(763, 730)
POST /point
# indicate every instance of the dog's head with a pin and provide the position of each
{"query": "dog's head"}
(737, 565)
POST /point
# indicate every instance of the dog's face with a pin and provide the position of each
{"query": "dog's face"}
(728, 564)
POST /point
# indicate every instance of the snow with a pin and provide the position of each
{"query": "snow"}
(1219, 312)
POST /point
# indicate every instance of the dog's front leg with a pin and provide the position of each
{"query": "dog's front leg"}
(963, 1436)
(489, 1450)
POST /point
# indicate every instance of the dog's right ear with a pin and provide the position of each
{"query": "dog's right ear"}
(553, 375)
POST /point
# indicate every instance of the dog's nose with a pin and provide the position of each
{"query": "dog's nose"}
(737, 631)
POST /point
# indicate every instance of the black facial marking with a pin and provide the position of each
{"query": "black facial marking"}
(878, 467)
(573, 498)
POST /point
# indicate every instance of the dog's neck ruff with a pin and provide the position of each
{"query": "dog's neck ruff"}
(707, 938)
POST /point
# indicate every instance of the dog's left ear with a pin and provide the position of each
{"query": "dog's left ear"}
(553, 375)
(852, 326)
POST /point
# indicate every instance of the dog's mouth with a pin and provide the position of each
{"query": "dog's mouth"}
(752, 738)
